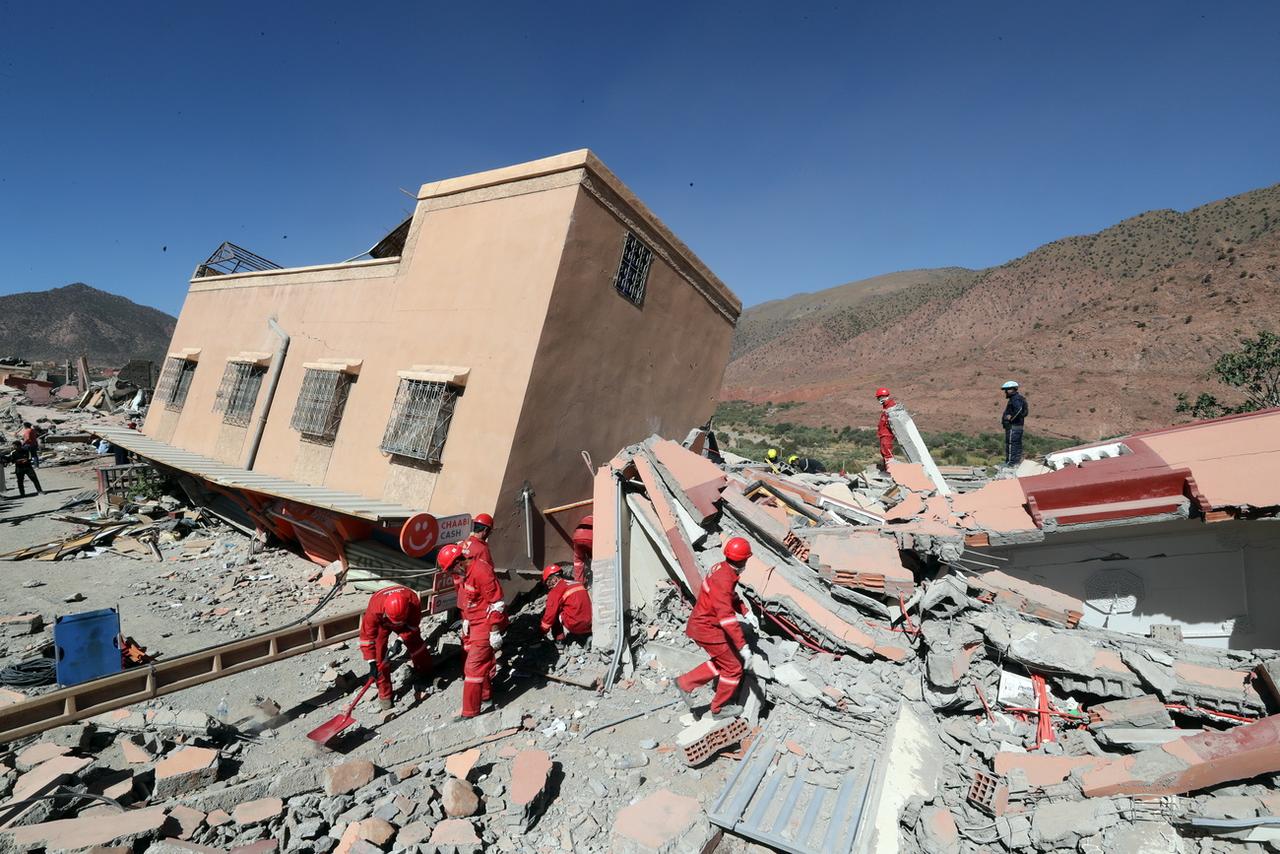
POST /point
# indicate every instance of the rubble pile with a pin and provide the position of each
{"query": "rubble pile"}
(1042, 734)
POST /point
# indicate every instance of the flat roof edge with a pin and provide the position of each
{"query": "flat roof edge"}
(584, 158)
(262, 274)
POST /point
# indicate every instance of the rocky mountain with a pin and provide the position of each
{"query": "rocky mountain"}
(63, 323)
(1101, 329)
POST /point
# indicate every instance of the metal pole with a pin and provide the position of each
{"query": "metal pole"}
(273, 379)
(620, 502)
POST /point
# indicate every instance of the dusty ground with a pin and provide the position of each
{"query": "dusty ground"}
(180, 606)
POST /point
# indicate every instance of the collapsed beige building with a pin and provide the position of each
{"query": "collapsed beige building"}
(519, 318)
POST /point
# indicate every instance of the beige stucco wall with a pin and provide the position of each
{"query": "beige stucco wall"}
(509, 274)
(609, 373)
(473, 294)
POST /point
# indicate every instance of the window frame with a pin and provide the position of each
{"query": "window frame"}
(632, 278)
(331, 411)
(233, 398)
(174, 383)
(416, 411)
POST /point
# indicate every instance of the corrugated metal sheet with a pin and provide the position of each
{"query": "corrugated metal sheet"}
(237, 478)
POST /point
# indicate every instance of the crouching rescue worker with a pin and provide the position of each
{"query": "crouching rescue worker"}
(395, 609)
(568, 612)
(484, 620)
(713, 625)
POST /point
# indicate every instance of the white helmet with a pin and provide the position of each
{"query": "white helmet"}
(1010, 384)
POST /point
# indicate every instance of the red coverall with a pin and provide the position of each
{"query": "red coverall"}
(885, 432)
(583, 538)
(375, 631)
(568, 609)
(714, 627)
(480, 598)
(473, 546)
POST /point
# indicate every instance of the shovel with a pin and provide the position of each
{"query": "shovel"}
(338, 723)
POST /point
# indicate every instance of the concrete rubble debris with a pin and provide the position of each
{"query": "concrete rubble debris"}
(1001, 712)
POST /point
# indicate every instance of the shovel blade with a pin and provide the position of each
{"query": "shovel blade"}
(330, 728)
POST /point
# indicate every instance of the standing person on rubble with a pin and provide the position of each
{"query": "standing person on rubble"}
(30, 435)
(771, 457)
(884, 430)
(584, 538)
(477, 545)
(1015, 415)
(393, 609)
(713, 625)
(22, 468)
(484, 619)
(567, 616)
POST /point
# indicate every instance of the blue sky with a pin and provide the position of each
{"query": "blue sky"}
(793, 146)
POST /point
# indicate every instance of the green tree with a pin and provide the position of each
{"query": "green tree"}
(1254, 369)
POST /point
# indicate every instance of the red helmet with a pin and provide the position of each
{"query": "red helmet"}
(737, 550)
(483, 519)
(587, 522)
(396, 605)
(882, 392)
(449, 555)
(550, 570)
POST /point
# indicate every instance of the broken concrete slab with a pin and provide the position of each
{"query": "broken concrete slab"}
(937, 831)
(184, 770)
(1042, 770)
(1192, 763)
(260, 811)
(460, 764)
(782, 588)
(455, 831)
(1145, 711)
(348, 776)
(1063, 824)
(1031, 599)
(34, 754)
(104, 829)
(698, 479)
(661, 823)
(188, 820)
(44, 777)
(530, 771)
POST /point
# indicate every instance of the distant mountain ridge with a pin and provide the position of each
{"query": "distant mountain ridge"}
(1102, 329)
(63, 323)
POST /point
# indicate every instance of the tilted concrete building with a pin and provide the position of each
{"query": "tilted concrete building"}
(521, 317)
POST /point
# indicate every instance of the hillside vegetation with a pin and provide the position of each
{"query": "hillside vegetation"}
(1103, 330)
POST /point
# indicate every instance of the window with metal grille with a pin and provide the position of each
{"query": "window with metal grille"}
(175, 382)
(420, 420)
(633, 269)
(238, 392)
(320, 404)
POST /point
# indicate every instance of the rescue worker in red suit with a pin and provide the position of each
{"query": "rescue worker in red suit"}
(583, 540)
(394, 609)
(568, 612)
(883, 430)
(714, 627)
(484, 619)
(477, 545)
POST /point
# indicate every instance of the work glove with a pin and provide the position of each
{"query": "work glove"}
(466, 627)
(373, 669)
(495, 640)
(747, 655)
(750, 619)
